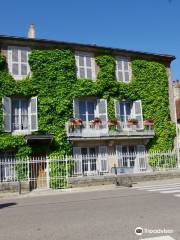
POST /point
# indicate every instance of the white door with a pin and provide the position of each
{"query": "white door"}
(89, 160)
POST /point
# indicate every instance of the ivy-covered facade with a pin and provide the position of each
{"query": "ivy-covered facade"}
(63, 98)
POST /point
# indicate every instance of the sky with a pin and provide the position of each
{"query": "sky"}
(142, 25)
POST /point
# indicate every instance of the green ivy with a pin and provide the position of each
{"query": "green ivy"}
(54, 81)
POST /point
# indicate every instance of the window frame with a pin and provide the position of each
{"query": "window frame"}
(129, 71)
(85, 67)
(18, 76)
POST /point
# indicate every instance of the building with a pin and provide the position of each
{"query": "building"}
(108, 120)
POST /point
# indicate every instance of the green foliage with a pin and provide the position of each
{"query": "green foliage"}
(54, 81)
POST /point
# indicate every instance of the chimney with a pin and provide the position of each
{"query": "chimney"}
(31, 31)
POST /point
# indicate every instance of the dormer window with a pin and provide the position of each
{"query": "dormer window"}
(18, 62)
(123, 69)
(85, 64)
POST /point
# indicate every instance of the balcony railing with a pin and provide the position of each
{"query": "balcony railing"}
(103, 129)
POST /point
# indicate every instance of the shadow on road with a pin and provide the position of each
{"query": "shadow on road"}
(4, 205)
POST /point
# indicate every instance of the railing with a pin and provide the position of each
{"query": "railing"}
(54, 172)
(87, 129)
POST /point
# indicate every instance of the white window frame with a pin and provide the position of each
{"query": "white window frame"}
(19, 62)
(129, 71)
(92, 67)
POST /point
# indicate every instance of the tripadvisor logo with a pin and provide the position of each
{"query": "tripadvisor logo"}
(138, 231)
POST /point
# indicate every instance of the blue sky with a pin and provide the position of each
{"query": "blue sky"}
(145, 25)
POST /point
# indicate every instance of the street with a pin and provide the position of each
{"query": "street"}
(111, 214)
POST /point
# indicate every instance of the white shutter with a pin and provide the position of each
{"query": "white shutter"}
(76, 108)
(137, 113)
(33, 114)
(101, 110)
(119, 156)
(6, 103)
(78, 160)
(117, 109)
(103, 164)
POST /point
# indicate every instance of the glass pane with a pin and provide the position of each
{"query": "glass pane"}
(89, 73)
(124, 149)
(90, 117)
(82, 117)
(126, 74)
(15, 115)
(82, 107)
(126, 66)
(24, 107)
(81, 73)
(81, 60)
(92, 151)
(23, 69)
(83, 151)
(15, 69)
(88, 61)
(128, 108)
(120, 76)
(24, 56)
(24, 122)
(131, 149)
(119, 65)
(90, 107)
(15, 55)
(121, 108)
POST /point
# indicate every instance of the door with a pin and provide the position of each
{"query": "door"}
(89, 158)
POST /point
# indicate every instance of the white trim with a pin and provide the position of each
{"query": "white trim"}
(19, 62)
(123, 71)
(85, 67)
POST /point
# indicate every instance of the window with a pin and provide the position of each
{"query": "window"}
(18, 62)
(88, 109)
(85, 65)
(20, 114)
(126, 110)
(123, 70)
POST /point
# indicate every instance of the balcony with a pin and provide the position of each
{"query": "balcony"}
(87, 130)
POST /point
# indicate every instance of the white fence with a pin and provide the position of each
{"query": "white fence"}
(54, 172)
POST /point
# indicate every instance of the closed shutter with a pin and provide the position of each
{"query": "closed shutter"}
(117, 109)
(6, 102)
(78, 160)
(103, 159)
(119, 155)
(102, 110)
(76, 108)
(137, 113)
(33, 114)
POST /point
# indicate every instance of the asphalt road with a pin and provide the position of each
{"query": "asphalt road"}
(97, 215)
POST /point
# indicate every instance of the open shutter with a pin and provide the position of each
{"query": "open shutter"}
(78, 160)
(117, 109)
(137, 113)
(6, 102)
(76, 108)
(103, 159)
(119, 156)
(33, 114)
(102, 110)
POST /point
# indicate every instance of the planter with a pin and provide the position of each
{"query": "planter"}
(148, 122)
(96, 121)
(113, 122)
(76, 122)
(132, 121)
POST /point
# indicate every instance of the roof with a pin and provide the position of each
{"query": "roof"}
(91, 46)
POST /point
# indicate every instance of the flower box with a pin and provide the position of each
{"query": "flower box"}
(148, 122)
(132, 121)
(113, 122)
(96, 121)
(75, 122)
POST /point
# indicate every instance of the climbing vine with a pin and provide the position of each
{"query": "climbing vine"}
(54, 81)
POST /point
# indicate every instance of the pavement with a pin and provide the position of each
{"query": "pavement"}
(100, 213)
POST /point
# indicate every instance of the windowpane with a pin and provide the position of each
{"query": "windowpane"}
(81, 73)
(82, 107)
(15, 55)
(119, 65)
(23, 69)
(81, 61)
(128, 108)
(120, 76)
(126, 74)
(83, 117)
(126, 65)
(121, 108)
(89, 73)
(88, 61)
(90, 107)
(15, 69)
(24, 56)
